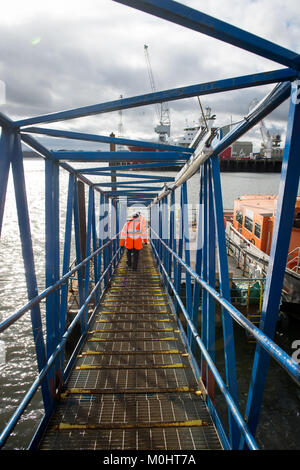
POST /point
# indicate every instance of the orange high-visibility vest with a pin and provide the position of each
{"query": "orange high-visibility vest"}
(134, 233)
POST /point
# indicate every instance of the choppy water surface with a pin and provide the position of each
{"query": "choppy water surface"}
(280, 428)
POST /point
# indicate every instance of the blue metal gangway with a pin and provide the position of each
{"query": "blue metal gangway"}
(98, 255)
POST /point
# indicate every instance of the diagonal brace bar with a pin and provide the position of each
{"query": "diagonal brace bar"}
(193, 19)
(216, 86)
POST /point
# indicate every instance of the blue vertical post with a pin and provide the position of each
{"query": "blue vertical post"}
(172, 232)
(155, 210)
(198, 258)
(81, 239)
(66, 255)
(187, 258)
(95, 246)
(167, 222)
(160, 247)
(151, 224)
(52, 261)
(109, 249)
(155, 222)
(29, 265)
(113, 230)
(204, 272)
(172, 221)
(117, 241)
(105, 239)
(88, 249)
(227, 322)
(288, 188)
(78, 249)
(211, 277)
(110, 234)
(101, 234)
(164, 230)
(122, 211)
(178, 268)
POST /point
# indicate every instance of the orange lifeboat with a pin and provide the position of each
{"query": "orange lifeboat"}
(254, 217)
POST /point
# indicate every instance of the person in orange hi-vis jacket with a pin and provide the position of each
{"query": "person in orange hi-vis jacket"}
(133, 235)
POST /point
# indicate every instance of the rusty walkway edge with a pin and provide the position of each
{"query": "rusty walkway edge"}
(132, 387)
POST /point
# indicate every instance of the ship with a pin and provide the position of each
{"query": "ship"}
(185, 139)
(249, 234)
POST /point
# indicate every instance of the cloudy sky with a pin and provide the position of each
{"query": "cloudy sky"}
(57, 55)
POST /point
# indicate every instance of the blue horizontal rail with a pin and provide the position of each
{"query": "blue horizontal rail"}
(105, 139)
(121, 156)
(154, 178)
(105, 170)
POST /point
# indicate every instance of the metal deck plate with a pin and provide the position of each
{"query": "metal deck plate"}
(132, 387)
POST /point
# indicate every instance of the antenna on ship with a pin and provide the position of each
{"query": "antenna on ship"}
(203, 115)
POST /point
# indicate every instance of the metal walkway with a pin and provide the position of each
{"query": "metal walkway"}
(133, 387)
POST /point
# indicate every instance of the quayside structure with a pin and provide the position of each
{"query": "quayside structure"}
(142, 373)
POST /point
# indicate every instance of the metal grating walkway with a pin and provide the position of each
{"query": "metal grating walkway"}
(132, 387)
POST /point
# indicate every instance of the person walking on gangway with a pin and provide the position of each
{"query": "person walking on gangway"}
(133, 235)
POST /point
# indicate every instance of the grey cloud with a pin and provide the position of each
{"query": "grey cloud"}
(49, 65)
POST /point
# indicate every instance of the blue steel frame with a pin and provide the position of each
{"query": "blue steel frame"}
(171, 249)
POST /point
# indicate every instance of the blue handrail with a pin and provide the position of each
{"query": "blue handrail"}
(43, 373)
(36, 300)
(222, 386)
(272, 348)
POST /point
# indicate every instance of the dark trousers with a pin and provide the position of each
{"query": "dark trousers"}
(132, 257)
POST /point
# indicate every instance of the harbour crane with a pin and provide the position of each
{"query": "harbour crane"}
(162, 109)
(269, 142)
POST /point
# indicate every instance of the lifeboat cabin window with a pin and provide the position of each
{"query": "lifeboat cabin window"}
(257, 230)
(248, 224)
(239, 217)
